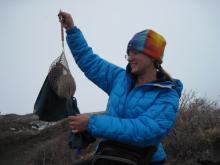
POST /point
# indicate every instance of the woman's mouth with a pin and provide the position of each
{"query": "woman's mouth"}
(133, 65)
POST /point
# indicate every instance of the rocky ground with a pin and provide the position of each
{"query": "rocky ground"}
(26, 140)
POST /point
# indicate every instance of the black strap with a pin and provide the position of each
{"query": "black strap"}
(126, 153)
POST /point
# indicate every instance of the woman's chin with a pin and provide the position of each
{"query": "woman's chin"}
(134, 71)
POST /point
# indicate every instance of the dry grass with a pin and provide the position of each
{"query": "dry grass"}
(196, 135)
(57, 152)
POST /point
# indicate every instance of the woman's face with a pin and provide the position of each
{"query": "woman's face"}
(139, 62)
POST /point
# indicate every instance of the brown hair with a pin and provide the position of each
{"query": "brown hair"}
(161, 73)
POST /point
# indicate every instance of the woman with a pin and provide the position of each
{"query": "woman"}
(143, 99)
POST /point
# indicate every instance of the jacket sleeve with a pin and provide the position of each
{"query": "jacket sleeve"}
(99, 71)
(147, 129)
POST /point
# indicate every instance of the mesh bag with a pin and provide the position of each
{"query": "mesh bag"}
(55, 100)
(60, 79)
(57, 91)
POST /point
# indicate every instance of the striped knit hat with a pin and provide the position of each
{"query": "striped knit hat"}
(148, 42)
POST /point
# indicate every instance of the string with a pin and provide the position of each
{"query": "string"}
(62, 39)
(62, 36)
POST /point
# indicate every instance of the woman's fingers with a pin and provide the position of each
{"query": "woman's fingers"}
(78, 122)
(74, 122)
(66, 19)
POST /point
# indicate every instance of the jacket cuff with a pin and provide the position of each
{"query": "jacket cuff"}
(72, 30)
(89, 126)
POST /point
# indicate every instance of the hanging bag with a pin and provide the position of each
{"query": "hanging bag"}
(55, 100)
(58, 87)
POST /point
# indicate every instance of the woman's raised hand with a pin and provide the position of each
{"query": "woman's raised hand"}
(66, 19)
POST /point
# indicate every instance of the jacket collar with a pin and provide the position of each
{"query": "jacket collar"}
(161, 84)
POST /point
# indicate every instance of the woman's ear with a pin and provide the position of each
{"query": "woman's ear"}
(153, 61)
(156, 63)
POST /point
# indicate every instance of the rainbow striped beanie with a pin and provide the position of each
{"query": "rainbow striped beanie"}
(148, 42)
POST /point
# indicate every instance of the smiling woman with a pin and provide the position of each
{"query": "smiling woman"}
(31, 39)
(142, 102)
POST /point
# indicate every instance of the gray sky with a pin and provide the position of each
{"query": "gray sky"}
(30, 41)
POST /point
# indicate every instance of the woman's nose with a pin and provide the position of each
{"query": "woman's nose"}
(129, 57)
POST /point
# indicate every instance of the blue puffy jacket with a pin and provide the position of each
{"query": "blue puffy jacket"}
(141, 115)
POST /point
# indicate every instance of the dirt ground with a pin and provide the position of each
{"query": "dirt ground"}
(26, 140)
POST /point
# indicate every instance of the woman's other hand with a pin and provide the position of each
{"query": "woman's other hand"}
(78, 123)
